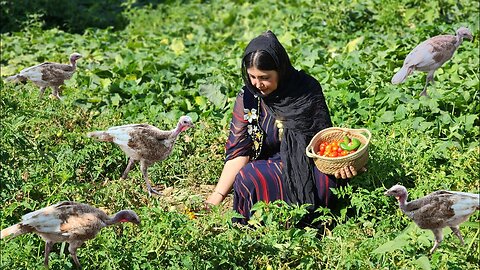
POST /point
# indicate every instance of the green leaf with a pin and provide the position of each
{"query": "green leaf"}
(105, 83)
(398, 243)
(400, 112)
(430, 15)
(286, 39)
(409, 14)
(424, 126)
(363, 113)
(200, 101)
(469, 121)
(423, 263)
(212, 92)
(387, 116)
(177, 46)
(115, 99)
(471, 224)
(8, 70)
(445, 118)
(352, 45)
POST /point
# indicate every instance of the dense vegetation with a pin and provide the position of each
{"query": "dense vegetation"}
(179, 58)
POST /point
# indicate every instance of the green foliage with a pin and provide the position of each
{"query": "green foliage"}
(183, 57)
(69, 15)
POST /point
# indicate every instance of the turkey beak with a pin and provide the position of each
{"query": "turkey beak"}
(387, 193)
(470, 37)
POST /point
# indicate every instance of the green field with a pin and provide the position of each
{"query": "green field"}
(155, 62)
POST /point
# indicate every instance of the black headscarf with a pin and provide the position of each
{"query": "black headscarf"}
(299, 103)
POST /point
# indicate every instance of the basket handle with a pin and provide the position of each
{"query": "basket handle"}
(309, 151)
(364, 130)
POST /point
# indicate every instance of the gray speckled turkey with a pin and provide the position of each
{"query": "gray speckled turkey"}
(144, 143)
(431, 54)
(69, 222)
(437, 210)
(48, 74)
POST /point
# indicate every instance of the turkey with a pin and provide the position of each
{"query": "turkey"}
(144, 143)
(69, 222)
(48, 74)
(437, 210)
(429, 55)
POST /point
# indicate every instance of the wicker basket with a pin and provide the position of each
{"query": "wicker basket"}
(329, 165)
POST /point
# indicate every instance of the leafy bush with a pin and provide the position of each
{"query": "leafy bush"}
(177, 58)
(72, 15)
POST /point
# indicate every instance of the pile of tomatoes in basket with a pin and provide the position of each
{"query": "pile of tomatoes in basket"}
(338, 148)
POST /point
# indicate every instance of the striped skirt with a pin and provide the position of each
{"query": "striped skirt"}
(261, 180)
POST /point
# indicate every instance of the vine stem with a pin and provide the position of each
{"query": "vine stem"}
(471, 243)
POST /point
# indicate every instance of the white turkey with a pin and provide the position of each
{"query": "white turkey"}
(437, 210)
(431, 54)
(48, 74)
(69, 222)
(144, 143)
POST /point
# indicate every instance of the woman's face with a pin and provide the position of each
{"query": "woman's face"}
(265, 81)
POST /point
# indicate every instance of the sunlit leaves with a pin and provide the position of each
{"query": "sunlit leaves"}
(352, 45)
(387, 116)
(423, 263)
(213, 93)
(183, 57)
(177, 46)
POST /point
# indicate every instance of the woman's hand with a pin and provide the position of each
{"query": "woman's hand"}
(215, 198)
(225, 183)
(348, 172)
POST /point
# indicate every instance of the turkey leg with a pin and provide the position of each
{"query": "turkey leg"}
(42, 90)
(438, 239)
(72, 248)
(456, 231)
(143, 168)
(48, 247)
(429, 79)
(55, 93)
(131, 161)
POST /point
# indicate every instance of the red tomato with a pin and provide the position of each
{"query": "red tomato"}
(334, 154)
(344, 153)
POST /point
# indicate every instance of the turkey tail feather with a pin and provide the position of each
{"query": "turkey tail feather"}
(401, 75)
(477, 206)
(101, 136)
(13, 231)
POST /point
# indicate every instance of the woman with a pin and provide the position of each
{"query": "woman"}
(275, 116)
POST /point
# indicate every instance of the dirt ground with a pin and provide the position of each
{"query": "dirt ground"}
(191, 198)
